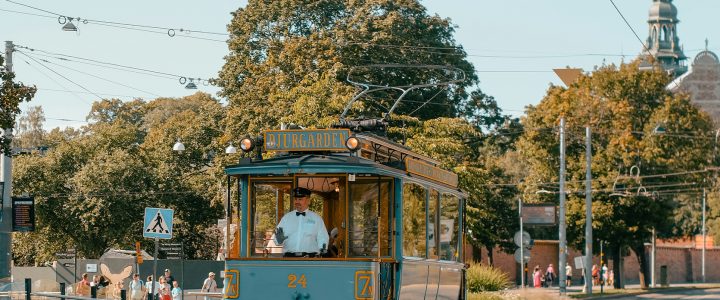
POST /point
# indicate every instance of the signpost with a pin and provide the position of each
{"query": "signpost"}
(157, 225)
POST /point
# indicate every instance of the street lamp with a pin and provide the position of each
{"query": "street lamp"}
(178, 146)
(230, 149)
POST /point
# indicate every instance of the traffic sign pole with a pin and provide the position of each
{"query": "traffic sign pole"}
(522, 246)
(152, 290)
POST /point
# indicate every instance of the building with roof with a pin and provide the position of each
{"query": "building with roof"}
(663, 42)
(702, 82)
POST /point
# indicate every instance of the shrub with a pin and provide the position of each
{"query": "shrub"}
(481, 278)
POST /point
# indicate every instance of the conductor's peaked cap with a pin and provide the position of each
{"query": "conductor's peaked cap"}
(300, 192)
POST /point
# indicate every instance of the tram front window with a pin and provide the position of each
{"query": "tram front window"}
(272, 199)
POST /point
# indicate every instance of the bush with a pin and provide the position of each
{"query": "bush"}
(481, 278)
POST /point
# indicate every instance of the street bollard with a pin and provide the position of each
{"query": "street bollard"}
(123, 294)
(93, 292)
(62, 288)
(28, 288)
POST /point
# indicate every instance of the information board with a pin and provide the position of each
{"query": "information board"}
(23, 214)
(539, 214)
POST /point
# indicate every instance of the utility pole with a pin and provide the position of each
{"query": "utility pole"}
(588, 211)
(561, 233)
(522, 247)
(704, 236)
(6, 179)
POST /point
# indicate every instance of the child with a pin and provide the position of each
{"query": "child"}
(176, 291)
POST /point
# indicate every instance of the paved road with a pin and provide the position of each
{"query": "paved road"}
(712, 293)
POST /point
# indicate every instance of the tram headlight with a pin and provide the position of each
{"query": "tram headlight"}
(247, 144)
(352, 143)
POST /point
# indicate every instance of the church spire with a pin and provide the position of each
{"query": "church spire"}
(663, 43)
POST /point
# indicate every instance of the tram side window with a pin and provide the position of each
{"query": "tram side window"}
(449, 224)
(432, 236)
(369, 217)
(414, 222)
(264, 215)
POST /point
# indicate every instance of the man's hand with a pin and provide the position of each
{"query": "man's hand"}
(280, 235)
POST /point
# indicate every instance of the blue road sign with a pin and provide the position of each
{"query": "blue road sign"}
(158, 223)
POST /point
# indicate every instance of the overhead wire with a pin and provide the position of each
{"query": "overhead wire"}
(170, 31)
(101, 78)
(105, 66)
(56, 82)
(63, 76)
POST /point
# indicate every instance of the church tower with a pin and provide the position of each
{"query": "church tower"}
(663, 43)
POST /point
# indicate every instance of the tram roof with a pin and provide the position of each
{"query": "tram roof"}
(326, 163)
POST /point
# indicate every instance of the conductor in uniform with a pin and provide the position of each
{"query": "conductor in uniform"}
(301, 232)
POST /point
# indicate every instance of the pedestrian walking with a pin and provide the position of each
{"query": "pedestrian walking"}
(151, 293)
(169, 278)
(83, 287)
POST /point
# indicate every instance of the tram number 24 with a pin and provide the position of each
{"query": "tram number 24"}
(294, 281)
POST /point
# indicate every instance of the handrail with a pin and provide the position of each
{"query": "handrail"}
(58, 295)
(208, 294)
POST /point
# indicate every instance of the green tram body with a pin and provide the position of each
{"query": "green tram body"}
(384, 200)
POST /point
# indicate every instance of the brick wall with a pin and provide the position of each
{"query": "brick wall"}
(684, 264)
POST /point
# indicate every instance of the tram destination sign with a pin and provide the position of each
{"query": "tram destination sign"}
(417, 167)
(306, 140)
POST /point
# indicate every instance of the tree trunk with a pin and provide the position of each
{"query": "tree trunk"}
(489, 249)
(639, 251)
(476, 254)
(617, 271)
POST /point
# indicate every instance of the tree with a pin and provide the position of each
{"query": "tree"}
(11, 95)
(623, 106)
(30, 133)
(93, 184)
(288, 61)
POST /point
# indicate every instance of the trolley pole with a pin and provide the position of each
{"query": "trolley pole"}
(155, 279)
(704, 233)
(561, 234)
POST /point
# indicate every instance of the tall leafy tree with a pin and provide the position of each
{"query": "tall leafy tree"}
(11, 95)
(288, 61)
(93, 183)
(623, 106)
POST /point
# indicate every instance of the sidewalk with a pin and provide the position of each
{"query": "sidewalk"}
(576, 291)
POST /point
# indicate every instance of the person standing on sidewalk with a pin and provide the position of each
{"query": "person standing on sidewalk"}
(176, 291)
(549, 275)
(209, 285)
(568, 275)
(137, 288)
(537, 277)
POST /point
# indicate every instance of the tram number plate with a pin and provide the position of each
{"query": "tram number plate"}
(363, 285)
(294, 281)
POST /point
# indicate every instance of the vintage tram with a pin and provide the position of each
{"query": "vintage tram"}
(394, 218)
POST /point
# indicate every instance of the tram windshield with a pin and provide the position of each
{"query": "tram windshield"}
(356, 214)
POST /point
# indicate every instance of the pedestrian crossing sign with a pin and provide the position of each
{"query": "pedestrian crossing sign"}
(158, 223)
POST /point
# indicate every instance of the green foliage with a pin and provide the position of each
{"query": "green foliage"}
(289, 59)
(483, 278)
(622, 106)
(11, 95)
(93, 184)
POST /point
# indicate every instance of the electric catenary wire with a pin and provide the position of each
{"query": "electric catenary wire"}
(170, 31)
(98, 77)
(58, 74)
(57, 82)
(181, 79)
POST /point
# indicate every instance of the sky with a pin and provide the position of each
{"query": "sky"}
(513, 44)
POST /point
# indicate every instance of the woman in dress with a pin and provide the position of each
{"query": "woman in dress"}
(537, 277)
